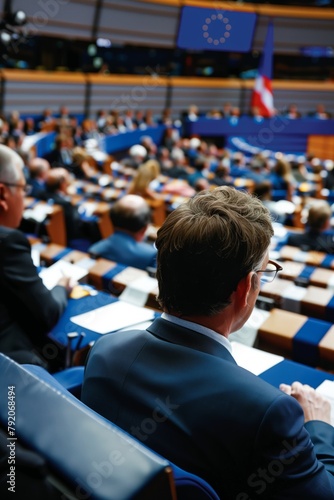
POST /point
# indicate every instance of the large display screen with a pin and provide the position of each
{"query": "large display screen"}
(215, 29)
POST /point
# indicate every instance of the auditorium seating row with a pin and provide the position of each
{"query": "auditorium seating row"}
(94, 200)
(299, 326)
(102, 274)
(295, 254)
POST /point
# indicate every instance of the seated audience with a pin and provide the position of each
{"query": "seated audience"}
(214, 113)
(238, 165)
(57, 182)
(38, 169)
(299, 170)
(329, 179)
(258, 169)
(222, 174)
(46, 122)
(257, 114)
(199, 171)
(61, 155)
(201, 184)
(314, 237)
(227, 110)
(282, 179)
(28, 310)
(143, 179)
(176, 386)
(263, 191)
(82, 166)
(320, 113)
(292, 112)
(137, 155)
(193, 113)
(130, 216)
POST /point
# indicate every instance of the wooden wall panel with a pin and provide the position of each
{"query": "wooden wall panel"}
(32, 91)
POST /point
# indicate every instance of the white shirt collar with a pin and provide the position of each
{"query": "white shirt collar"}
(199, 329)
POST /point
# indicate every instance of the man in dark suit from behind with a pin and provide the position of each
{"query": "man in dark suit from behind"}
(316, 235)
(57, 183)
(176, 386)
(28, 310)
(61, 154)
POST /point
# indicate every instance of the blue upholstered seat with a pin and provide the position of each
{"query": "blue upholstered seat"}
(84, 451)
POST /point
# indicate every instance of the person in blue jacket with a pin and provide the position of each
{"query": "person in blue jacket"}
(130, 216)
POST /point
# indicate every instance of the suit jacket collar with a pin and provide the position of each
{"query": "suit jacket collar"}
(179, 335)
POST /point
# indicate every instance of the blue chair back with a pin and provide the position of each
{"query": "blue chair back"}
(90, 454)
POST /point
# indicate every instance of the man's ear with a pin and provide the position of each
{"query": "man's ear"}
(3, 198)
(244, 288)
(255, 281)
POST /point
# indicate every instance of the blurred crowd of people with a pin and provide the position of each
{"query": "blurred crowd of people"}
(180, 165)
(15, 127)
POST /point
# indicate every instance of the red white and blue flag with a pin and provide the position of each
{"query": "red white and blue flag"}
(262, 97)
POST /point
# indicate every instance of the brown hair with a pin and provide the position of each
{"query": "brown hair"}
(145, 174)
(206, 246)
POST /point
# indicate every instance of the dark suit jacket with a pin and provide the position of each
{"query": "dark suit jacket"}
(312, 240)
(56, 159)
(182, 394)
(28, 310)
(71, 214)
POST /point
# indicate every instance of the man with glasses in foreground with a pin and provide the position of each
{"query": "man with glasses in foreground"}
(176, 386)
(28, 310)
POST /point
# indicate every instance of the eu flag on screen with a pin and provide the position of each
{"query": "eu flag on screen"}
(216, 29)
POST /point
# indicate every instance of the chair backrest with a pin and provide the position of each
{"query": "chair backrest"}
(87, 452)
(88, 456)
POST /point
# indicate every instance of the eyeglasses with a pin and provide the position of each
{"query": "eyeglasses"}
(26, 187)
(270, 273)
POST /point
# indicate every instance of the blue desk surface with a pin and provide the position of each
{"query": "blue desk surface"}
(287, 372)
(75, 307)
(80, 306)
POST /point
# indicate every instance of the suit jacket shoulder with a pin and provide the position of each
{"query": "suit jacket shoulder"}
(183, 395)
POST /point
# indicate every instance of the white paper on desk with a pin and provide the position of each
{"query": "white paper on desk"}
(138, 291)
(330, 283)
(113, 317)
(88, 207)
(86, 263)
(254, 360)
(51, 275)
(292, 297)
(38, 213)
(326, 389)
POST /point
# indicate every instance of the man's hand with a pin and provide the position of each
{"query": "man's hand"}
(315, 406)
(67, 282)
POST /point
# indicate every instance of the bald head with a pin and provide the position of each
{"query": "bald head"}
(130, 213)
(12, 184)
(38, 168)
(57, 179)
(11, 165)
(131, 202)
